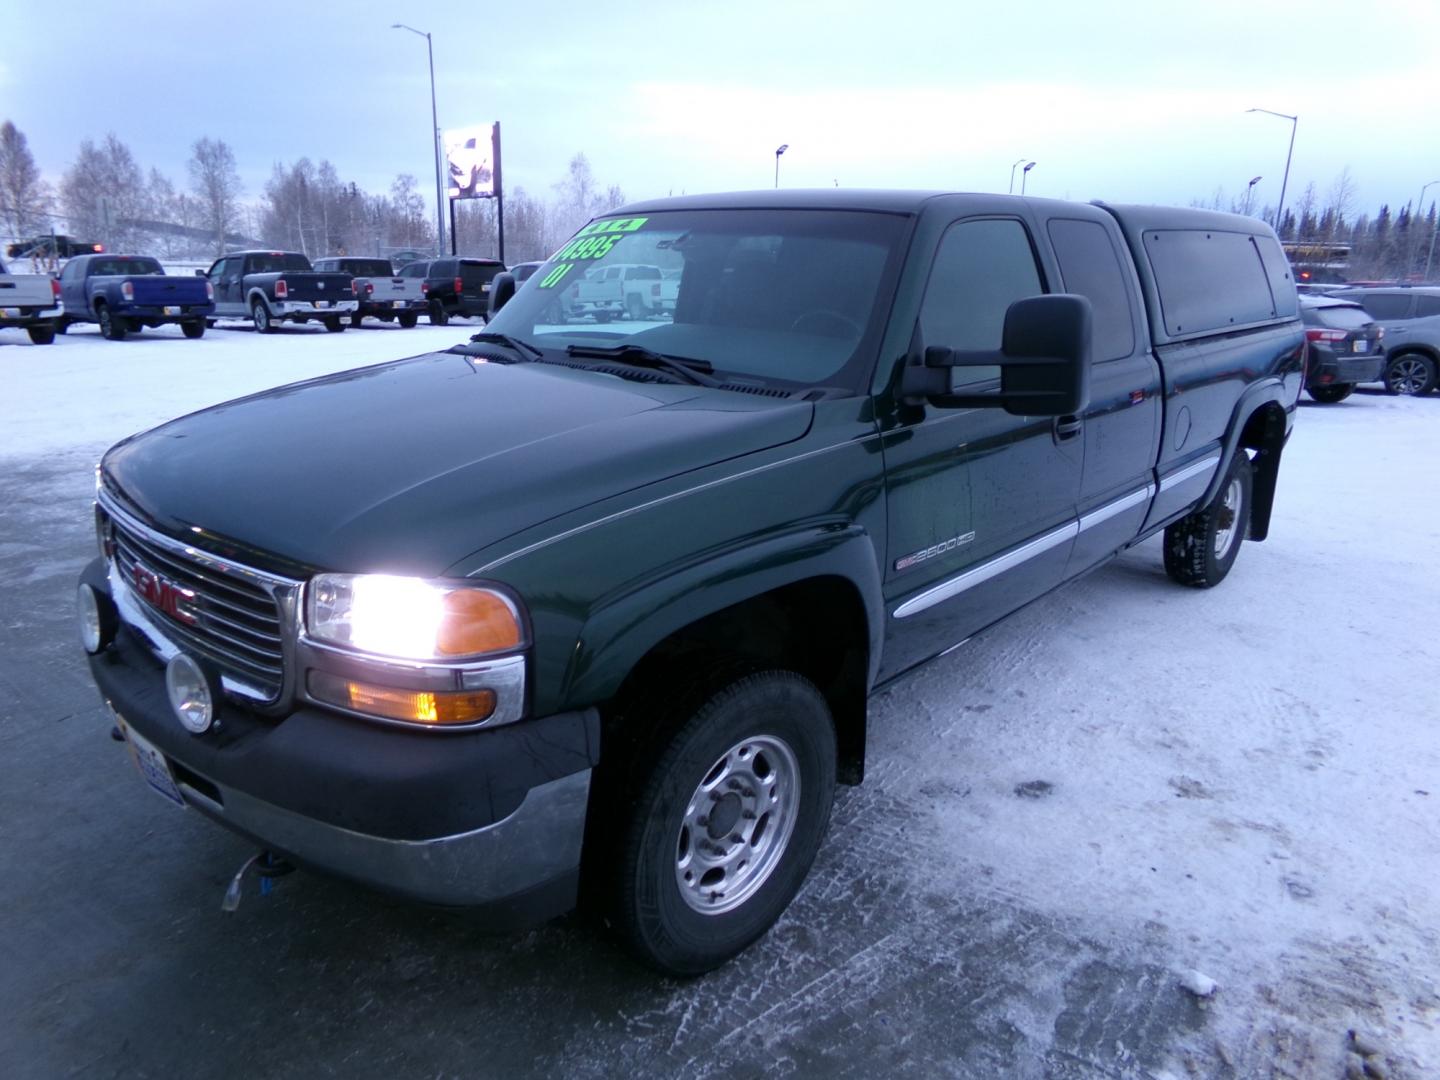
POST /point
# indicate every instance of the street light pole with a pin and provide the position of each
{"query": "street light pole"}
(780, 150)
(435, 140)
(1420, 210)
(1025, 175)
(1294, 123)
(1018, 161)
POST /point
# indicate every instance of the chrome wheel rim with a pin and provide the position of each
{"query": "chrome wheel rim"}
(1407, 376)
(1227, 519)
(737, 825)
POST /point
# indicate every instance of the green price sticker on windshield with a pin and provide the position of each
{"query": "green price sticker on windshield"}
(594, 241)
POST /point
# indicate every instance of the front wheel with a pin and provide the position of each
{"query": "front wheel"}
(193, 329)
(1410, 374)
(438, 315)
(333, 324)
(1201, 548)
(1329, 395)
(41, 335)
(726, 824)
(260, 316)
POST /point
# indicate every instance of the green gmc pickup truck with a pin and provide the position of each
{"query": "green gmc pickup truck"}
(589, 613)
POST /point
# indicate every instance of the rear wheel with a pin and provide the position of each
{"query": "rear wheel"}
(1329, 395)
(721, 831)
(193, 329)
(438, 315)
(634, 308)
(260, 316)
(1200, 549)
(41, 335)
(1411, 374)
(112, 327)
(333, 324)
(61, 325)
(356, 319)
(408, 320)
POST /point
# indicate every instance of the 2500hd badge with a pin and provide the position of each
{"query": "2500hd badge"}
(589, 613)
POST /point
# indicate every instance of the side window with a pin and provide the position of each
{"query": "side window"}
(324, 265)
(1386, 305)
(1090, 267)
(1209, 280)
(1426, 306)
(71, 272)
(980, 269)
(219, 269)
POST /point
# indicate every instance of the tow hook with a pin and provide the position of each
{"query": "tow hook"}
(268, 866)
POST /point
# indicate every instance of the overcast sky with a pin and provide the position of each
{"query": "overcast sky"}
(1141, 102)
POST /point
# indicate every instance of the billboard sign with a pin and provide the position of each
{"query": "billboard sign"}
(470, 162)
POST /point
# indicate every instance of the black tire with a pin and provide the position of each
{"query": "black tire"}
(112, 327)
(334, 324)
(210, 324)
(1330, 395)
(603, 316)
(408, 320)
(773, 725)
(260, 316)
(1410, 374)
(438, 315)
(383, 318)
(61, 325)
(193, 329)
(355, 320)
(634, 308)
(1201, 548)
(41, 335)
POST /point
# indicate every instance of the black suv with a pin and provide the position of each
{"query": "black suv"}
(455, 287)
(1411, 318)
(1345, 347)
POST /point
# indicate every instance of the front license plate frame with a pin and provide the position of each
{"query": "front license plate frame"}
(151, 763)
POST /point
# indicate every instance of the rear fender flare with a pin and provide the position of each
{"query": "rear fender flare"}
(1262, 395)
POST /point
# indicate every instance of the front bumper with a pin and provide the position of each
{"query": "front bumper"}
(490, 819)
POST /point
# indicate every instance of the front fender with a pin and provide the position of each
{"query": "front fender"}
(623, 628)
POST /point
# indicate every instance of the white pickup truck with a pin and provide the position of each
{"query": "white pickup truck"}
(630, 290)
(31, 301)
(380, 291)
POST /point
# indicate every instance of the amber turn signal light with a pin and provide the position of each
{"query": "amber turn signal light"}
(475, 621)
(433, 708)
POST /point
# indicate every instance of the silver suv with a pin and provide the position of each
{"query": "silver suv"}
(1411, 318)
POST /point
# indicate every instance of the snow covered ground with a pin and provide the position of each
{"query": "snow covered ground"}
(1127, 789)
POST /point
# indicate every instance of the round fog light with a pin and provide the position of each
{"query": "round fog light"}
(191, 696)
(97, 619)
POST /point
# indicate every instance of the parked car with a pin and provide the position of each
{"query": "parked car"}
(379, 290)
(455, 288)
(279, 286)
(596, 615)
(126, 292)
(31, 301)
(401, 259)
(1410, 317)
(634, 291)
(57, 246)
(1345, 346)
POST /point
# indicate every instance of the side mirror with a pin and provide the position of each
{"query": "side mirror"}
(1044, 361)
(502, 288)
(199, 273)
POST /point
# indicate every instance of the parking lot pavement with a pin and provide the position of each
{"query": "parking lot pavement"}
(1126, 781)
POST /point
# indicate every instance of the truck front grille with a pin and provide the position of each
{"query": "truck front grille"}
(230, 620)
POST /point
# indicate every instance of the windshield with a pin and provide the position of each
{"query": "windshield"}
(787, 296)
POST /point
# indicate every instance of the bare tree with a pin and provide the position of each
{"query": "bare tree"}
(1339, 203)
(215, 183)
(24, 197)
(408, 227)
(104, 192)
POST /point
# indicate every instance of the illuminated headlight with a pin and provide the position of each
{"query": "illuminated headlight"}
(411, 618)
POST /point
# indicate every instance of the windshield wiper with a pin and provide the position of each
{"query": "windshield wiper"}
(682, 367)
(514, 344)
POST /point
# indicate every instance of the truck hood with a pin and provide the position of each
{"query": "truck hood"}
(409, 467)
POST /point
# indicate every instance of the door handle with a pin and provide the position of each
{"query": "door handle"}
(1067, 427)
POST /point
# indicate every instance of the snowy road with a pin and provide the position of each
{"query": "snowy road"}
(1127, 781)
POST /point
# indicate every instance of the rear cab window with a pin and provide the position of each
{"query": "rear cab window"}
(1209, 280)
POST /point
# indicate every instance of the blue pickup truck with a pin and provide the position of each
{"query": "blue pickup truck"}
(126, 292)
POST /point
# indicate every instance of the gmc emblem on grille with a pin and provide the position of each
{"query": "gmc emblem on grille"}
(164, 595)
